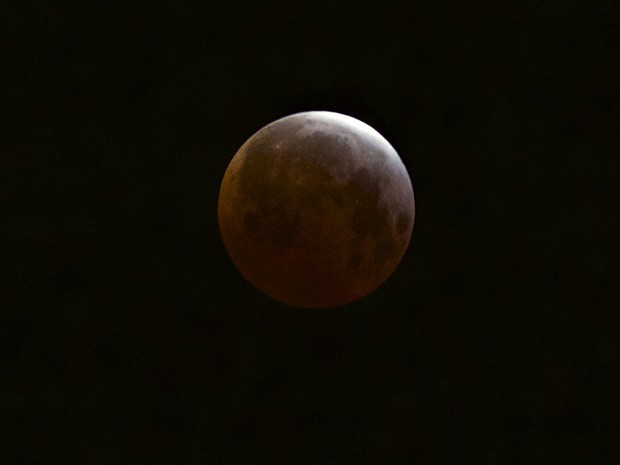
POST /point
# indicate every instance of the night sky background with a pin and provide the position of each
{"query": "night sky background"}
(128, 337)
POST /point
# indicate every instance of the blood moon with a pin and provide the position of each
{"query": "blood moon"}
(316, 209)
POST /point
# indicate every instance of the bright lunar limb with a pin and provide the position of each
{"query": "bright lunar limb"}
(316, 209)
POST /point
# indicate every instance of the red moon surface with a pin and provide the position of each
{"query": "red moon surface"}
(316, 209)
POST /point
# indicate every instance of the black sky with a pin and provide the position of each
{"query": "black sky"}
(128, 337)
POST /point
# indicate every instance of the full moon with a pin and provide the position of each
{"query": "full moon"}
(316, 209)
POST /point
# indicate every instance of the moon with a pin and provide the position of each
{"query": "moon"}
(316, 209)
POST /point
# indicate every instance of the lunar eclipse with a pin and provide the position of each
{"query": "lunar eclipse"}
(316, 209)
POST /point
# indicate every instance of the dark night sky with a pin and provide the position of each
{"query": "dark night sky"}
(128, 337)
